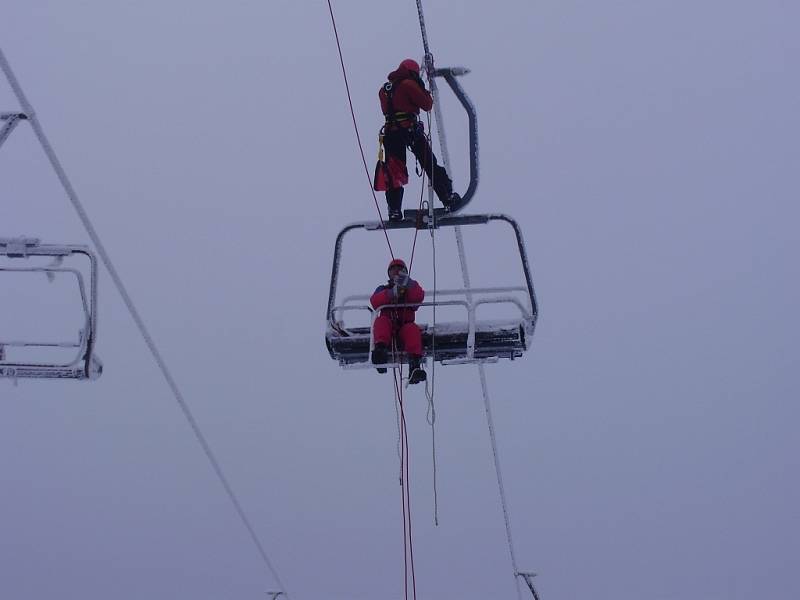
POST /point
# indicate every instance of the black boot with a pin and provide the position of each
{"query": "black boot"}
(453, 202)
(380, 354)
(394, 200)
(416, 372)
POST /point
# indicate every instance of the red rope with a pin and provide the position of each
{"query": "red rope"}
(355, 126)
(402, 484)
(408, 545)
(405, 491)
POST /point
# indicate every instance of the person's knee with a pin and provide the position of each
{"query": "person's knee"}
(411, 333)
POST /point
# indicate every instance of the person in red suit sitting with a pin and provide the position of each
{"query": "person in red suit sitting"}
(398, 323)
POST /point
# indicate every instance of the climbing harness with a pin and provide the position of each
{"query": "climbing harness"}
(394, 117)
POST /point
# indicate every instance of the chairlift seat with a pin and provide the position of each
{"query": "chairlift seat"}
(447, 344)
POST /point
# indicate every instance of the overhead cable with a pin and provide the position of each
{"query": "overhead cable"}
(126, 298)
(465, 276)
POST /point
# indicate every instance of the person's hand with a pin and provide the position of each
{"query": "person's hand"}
(399, 288)
(418, 79)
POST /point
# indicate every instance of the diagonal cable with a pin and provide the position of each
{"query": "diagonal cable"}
(355, 126)
(162, 365)
(467, 286)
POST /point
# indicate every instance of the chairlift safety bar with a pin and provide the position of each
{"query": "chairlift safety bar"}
(470, 306)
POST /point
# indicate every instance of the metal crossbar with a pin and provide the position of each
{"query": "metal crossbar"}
(452, 292)
(337, 326)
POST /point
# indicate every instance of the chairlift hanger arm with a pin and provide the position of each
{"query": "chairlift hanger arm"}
(449, 74)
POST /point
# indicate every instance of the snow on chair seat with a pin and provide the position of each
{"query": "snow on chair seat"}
(469, 341)
(506, 339)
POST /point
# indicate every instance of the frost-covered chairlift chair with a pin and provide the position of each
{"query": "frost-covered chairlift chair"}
(470, 341)
(84, 364)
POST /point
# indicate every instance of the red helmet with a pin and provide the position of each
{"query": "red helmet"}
(409, 64)
(397, 262)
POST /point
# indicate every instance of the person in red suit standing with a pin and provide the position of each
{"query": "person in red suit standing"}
(398, 323)
(402, 97)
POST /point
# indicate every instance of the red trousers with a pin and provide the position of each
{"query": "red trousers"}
(408, 335)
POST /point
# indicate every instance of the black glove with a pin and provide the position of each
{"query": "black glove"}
(418, 79)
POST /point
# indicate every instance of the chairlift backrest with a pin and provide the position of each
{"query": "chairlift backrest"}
(473, 340)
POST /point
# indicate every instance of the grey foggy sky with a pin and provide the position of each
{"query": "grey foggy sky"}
(648, 150)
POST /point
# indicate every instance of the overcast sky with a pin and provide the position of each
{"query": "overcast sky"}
(649, 151)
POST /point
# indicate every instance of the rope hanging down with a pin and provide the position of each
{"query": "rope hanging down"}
(405, 482)
(98, 244)
(431, 414)
(429, 391)
(408, 553)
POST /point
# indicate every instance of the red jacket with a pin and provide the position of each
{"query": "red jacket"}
(407, 96)
(384, 294)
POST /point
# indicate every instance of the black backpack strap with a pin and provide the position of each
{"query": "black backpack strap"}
(394, 117)
(388, 89)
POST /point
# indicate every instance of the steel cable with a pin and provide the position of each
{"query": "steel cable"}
(126, 298)
(467, 286)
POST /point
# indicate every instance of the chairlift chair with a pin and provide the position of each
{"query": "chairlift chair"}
(84, 364)
(472, 340)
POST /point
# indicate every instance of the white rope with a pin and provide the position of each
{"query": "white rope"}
(399, 435)
(98, 244)
(431, 418)
(431, 413)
